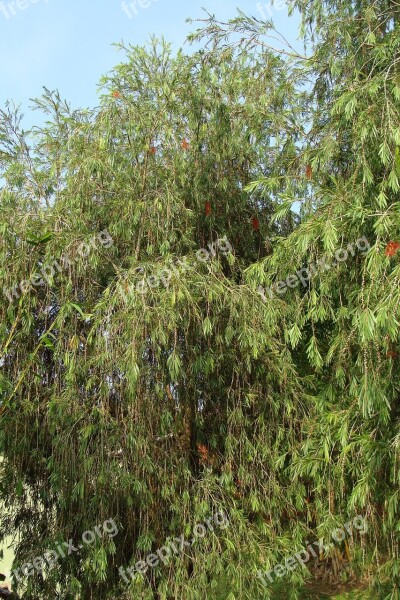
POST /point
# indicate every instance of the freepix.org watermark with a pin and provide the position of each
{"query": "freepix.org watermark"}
(304, 275)
(48, 271)
(175, 546)
(132, 8)
(315, 550)
(267, 9)
(50, 558)
(163, 278)
(9, 9)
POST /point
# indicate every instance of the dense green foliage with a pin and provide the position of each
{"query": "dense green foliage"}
(157, 407)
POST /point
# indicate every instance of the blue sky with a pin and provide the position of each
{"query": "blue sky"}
(67, 44)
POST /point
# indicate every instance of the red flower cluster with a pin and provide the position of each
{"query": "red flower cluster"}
(392, 248)
(256, 223)
(203, 452)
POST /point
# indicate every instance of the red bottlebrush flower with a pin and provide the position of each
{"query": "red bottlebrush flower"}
(255, 223)
(153, 149)
(207, 208)
(392, 248)
(309, 171)
(203, 452)
(185, 144)
(116, 94)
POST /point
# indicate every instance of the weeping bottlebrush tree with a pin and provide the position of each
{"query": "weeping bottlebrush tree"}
(141, 379)
(152, 372)
(341, 321)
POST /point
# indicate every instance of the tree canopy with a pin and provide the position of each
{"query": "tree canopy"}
(159, 360)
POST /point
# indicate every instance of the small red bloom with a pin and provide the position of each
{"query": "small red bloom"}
(309, 171)
(207, 208)
(153, 149)
(116, 94)
(392, 248)
(256, 223)
(203, 452)
(185, 144)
